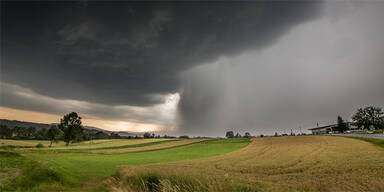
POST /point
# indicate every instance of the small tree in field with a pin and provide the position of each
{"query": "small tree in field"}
(53, 134)
(229, 134)
(70, 124)
(247, 135)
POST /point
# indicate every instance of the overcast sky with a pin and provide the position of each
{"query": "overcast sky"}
(197, 68)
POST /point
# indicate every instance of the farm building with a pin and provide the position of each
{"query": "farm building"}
(332, 129)
(323, 130)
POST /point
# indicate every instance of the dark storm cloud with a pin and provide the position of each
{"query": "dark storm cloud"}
(327, 67)
(17, 97)
(131, 53)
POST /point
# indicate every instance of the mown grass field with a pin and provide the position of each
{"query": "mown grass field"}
(302, 163)
(74, 168)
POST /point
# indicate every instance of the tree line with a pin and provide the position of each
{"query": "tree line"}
(69, 130)
(364, 118)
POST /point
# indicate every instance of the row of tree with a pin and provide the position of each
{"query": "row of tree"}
(69, 130)
(230, 134)
(364, 118)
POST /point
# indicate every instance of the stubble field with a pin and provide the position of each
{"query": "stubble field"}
(301, 163)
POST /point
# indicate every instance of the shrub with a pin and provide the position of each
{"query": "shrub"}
(39, 145)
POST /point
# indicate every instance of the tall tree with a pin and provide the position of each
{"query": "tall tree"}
(70, 124)
(341, 125)
(53, 134)
(364, 117)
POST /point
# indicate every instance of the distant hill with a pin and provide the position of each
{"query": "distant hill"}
(14, 123)
(88, 129)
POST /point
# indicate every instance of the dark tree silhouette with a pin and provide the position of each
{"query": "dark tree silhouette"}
(229, 134)
(20, 132)
(341, 125)
(41, 134)
(247, 134)
(147, 135)
(53, 134)
(371, 115)
(5, 131)
(70, 124)
(31, 132)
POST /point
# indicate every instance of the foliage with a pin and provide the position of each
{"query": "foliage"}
(54, 134)
(5, 131)
(39, 145)
(364, 117)
(101, 135)
(20, 132)
(41, 134)
(114, 136)
(31, 132)
(70, 124)
(341, 125)
(147, 135)
(229, 134)
(247, 135)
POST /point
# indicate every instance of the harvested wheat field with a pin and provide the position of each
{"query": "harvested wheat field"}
(305, 163)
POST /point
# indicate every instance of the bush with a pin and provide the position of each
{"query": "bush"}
(39, 145)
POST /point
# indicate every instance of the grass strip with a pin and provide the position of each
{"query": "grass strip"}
(135, 145)
(377, 142)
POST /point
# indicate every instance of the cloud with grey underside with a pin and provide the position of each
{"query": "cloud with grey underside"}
(129, 53)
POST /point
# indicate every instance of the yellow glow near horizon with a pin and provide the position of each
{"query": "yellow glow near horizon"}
(31, 116)
(112, 125)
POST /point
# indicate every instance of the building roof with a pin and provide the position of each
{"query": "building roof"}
(322, 127)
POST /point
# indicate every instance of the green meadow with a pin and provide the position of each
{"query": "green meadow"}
(71, 170)
(301, 163)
